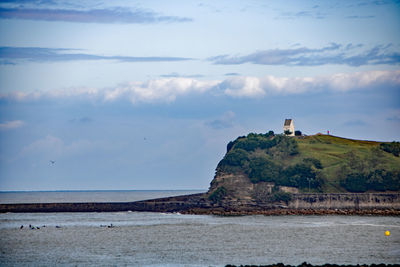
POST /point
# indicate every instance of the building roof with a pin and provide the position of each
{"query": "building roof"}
(288, 122)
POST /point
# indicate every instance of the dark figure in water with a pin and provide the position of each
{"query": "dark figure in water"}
(21, 227)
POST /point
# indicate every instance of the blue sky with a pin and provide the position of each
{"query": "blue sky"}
(146, 94)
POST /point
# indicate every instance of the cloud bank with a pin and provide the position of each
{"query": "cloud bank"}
(168, 89)
(115, 15)
(165, 90)
(158, 90)
(13, 55)
(333, 54)
(271, 85)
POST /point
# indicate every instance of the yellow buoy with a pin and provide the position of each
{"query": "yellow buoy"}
(387, 233)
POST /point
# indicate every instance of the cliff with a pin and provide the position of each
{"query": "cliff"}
(272, 168)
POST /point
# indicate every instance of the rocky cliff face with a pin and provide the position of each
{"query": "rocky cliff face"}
(241, 193)
(238, 186)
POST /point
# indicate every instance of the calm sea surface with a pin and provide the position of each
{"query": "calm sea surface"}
(89, 196)
(157, 239)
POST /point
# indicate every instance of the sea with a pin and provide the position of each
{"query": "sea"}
(173, 239)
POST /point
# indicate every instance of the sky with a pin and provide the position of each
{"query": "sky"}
(145, 95)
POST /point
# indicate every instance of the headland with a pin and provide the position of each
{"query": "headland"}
(280, 175)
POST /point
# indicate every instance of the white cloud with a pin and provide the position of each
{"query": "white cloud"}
(164, 90)
(158, 90)
(337, 54)
(83, 92)
(168, 89)
(11, 125)
(270, 85)
(358, 80)
(243, 87)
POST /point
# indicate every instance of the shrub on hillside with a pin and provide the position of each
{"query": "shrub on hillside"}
(313, 162)
(392, 181)
(236, 157)
(382, 180)
(232, 143)
(254, 141)
(355, 182)
(286, 146)
(393, 147)
(235, 160)
(375, 180)
(218, 194)
(270, 134)
(240, 158)
(263, 170)
(378, 179)
(301, 176)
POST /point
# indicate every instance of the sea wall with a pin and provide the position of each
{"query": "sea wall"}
(343, 203)
(346, 201)
(169, 204)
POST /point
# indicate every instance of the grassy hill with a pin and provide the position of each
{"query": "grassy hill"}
(318, 163)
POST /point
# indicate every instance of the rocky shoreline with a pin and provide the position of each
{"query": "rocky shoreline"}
(277, 212)
(199, 204)
(304, 264)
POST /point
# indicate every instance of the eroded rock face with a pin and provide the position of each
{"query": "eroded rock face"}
(242, 196)
(289, 189)
(238, 186)
(262, 191)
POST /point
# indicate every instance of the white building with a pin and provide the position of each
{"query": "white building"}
(289, 126)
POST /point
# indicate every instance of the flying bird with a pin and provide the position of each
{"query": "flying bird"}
(52, 162)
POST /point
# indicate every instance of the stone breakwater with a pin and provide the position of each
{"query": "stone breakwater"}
(325, 265)
(300, 204)
(169, 204)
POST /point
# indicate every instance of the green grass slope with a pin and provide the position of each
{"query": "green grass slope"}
(340, 156)
(318, 163)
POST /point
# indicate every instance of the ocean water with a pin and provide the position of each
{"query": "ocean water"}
(158, 239)
(89, 196)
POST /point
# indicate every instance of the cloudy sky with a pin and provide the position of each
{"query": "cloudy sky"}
(146, 94)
